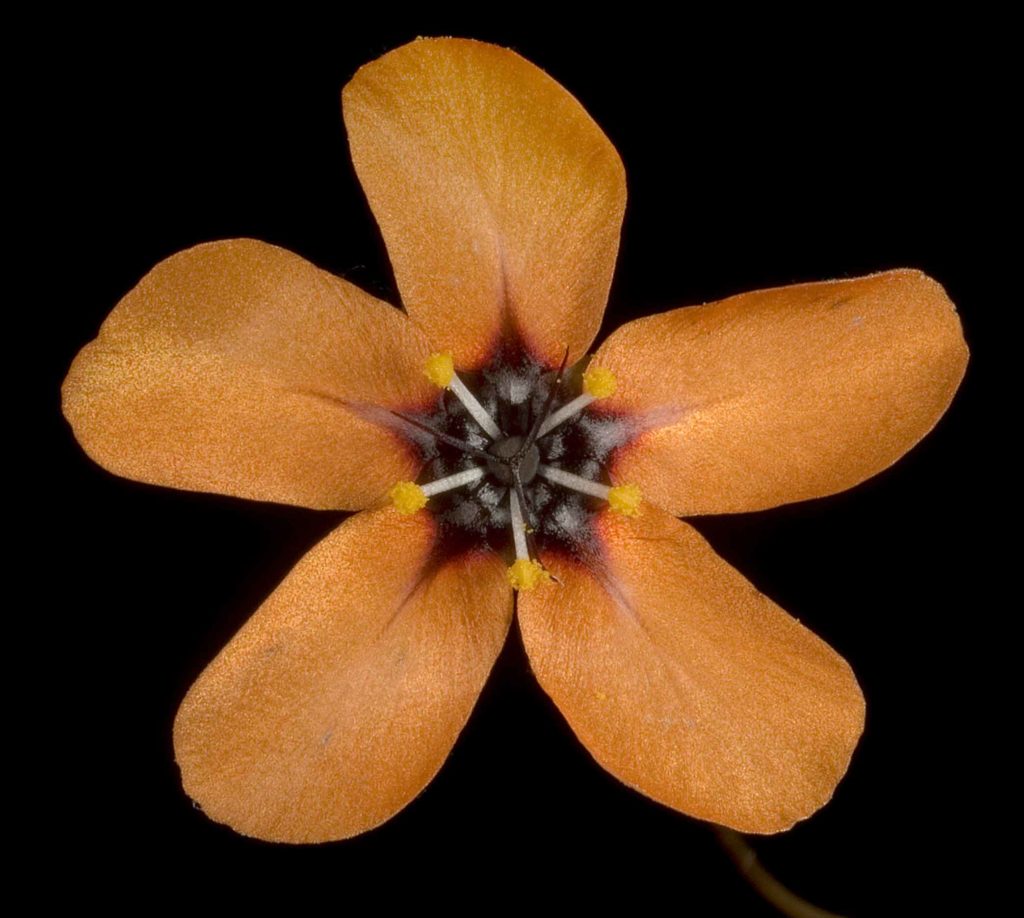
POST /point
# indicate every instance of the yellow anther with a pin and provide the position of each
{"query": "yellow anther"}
(625, 499)
(440, 368)
(525, 574)
(599, 382)
(408, 497)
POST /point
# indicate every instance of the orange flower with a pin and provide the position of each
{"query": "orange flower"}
(238, 368)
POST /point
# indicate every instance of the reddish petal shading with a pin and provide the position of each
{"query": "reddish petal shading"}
(785, 394)
(239, 368)
(688, 684)
(499, 198)
(343, 695)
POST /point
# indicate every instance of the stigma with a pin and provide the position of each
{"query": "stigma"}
(515, 459)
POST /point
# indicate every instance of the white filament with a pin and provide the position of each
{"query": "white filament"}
(518, 527)
(574, 482)
(474, 407)
(453, 481)
(566, 411)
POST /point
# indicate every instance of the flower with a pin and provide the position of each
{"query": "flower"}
(238, 368)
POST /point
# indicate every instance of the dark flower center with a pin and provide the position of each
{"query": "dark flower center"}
(519, 395)
(511, 457)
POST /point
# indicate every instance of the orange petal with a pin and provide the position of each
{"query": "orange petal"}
(499, 199)
(343, 695)
(237, 367)
(689, 685)
(785, 394)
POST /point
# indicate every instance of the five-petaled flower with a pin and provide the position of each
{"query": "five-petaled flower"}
(488, 455)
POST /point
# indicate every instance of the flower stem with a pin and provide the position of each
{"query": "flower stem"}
(754, 872)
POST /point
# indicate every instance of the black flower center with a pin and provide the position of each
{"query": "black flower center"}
(518, 394)
(513, 457)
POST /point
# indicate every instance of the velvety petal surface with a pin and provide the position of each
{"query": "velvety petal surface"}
(500, 200)
(687, 683)
(785, 394)
(343, 695)
(239, 368)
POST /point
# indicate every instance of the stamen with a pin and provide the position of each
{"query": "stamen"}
(408, 497)
(597, 383)
(474, 407)
(574, 482)
(518, 528)
(625, 499)
(453, 481)
(440, 370)
(525, 574)
(565, 412)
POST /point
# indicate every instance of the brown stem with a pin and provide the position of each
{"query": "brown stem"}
(754, 872)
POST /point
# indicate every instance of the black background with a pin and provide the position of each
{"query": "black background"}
(750, 163)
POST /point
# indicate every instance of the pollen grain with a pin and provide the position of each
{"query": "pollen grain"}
(525, 574)
(440, 368)
(599, 382)
(408, 497)
(625, 499)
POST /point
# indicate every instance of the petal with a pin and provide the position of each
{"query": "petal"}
(343, 695)
(499, 199)
(785, 394)
(238, 367)
(689, 685)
